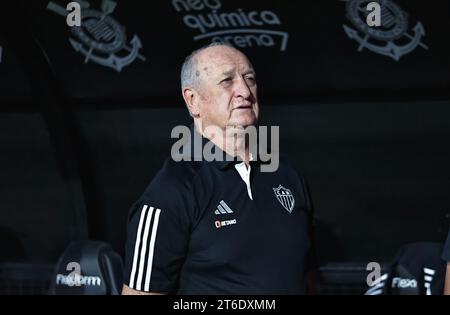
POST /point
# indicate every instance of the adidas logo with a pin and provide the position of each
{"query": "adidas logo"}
(223, 208)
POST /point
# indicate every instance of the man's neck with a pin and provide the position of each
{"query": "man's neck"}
(231, 140)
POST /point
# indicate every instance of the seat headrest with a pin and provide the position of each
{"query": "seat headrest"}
(88, 268)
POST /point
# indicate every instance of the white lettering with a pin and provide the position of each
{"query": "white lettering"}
(185, 305)
(372, 277)
(374, 17)
(197, 5)
(78, 280)
(404, 283)
(204, 22)
(256, 139)
(74, 17)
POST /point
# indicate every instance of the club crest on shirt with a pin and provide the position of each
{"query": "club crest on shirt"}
(285, 198)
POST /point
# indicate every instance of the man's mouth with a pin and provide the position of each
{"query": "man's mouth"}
(249, 106)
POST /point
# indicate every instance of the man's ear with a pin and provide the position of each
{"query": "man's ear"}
(191, 98)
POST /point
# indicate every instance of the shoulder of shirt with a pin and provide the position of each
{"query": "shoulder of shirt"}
(286, 165)
(173, 178)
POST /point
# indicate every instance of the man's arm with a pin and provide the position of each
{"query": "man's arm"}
(126, 290)
(447, 280)
(157, 236)
(155, 249)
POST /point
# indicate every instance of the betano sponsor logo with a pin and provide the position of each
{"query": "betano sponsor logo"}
(220, 224)
(239, 28)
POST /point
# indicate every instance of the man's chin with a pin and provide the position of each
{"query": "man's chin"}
(243, 122)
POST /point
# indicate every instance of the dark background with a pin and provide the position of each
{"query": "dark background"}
(80, 142)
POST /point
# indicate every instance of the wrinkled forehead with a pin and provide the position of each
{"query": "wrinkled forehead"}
(216, 60)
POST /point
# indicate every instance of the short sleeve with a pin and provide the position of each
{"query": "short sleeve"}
(446, 250)
(158, 236)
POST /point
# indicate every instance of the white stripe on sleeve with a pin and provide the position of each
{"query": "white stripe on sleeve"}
(143, 251)
(136, 246)
(152, 248)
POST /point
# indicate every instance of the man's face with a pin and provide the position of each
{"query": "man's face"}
(227, 88)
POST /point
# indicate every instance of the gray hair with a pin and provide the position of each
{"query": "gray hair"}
(189, 71)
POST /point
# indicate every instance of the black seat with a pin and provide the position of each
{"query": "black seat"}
(417, 270)
(88, 268)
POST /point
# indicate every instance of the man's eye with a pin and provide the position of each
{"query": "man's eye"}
(226, 81)
(251, 79)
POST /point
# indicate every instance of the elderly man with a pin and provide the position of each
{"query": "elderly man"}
(220, 226)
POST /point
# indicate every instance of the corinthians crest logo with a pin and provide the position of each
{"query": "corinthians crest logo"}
(394, 38)
(100, 38)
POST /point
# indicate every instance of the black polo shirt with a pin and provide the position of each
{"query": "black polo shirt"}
(200, 229)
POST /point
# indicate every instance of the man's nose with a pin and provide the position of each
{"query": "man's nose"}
(242, 89)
